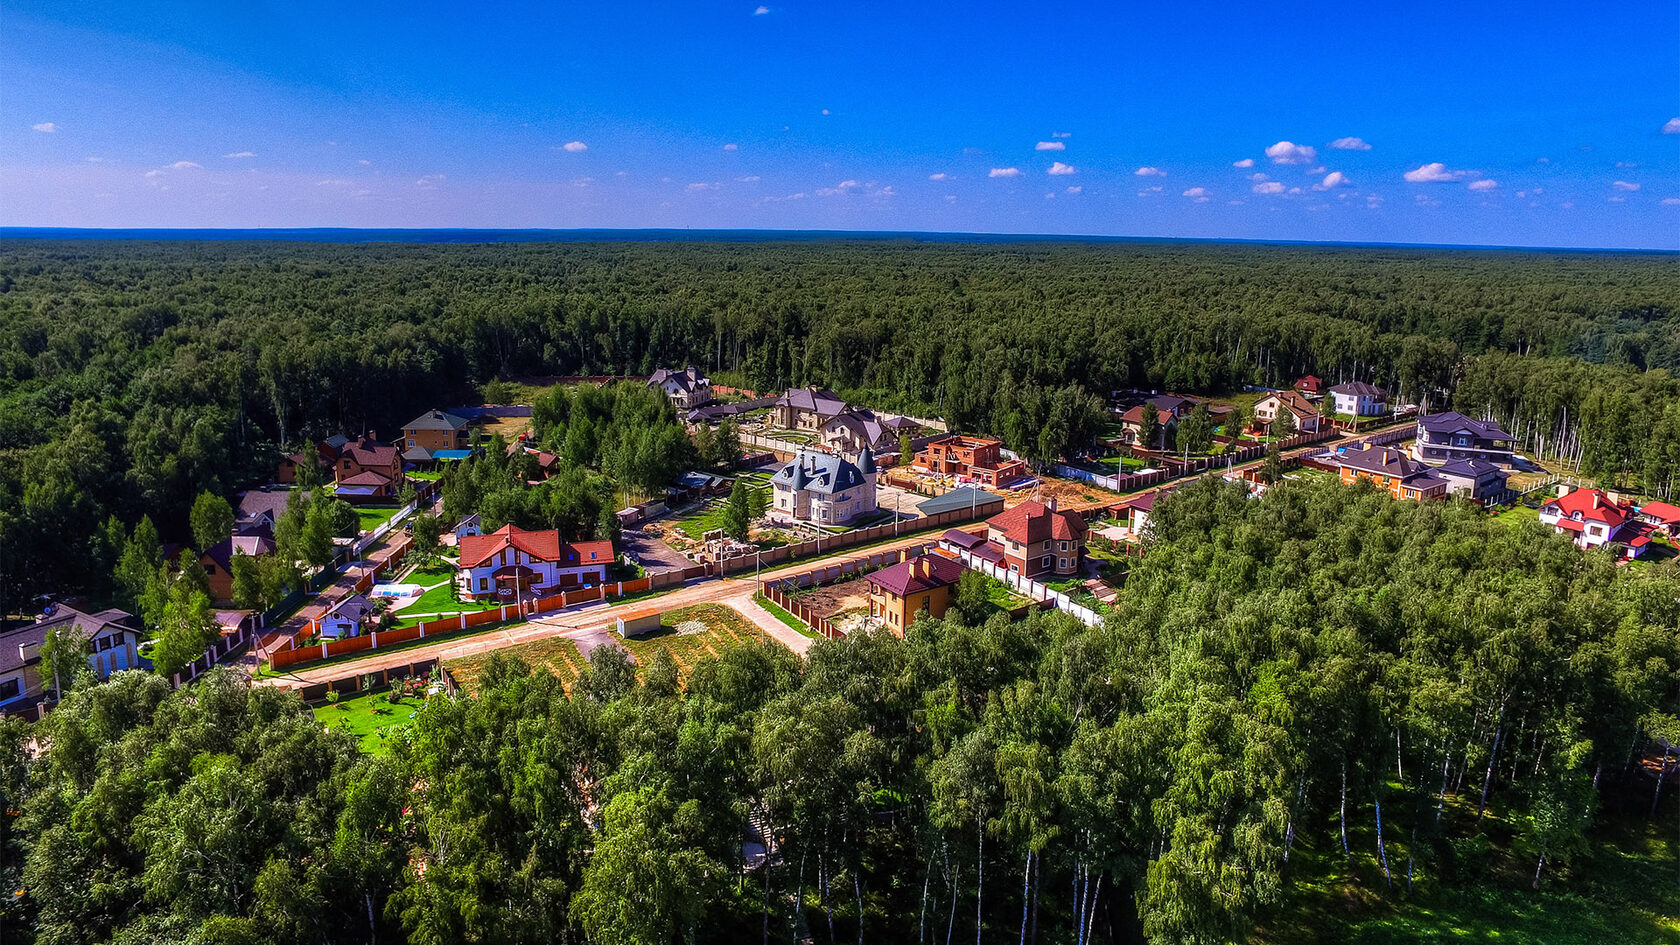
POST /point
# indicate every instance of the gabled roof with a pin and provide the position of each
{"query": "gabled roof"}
(1033, 521)
(916, 575)
(825, 403)
(1661, 511)
(863, 424)
(1293, 401)
(1467, 468)
(1592, 506)
(1309, 383)
(1383, 461)
(417, 454)
(819, 473)
(541, 545)
(88, 625)
(967, 541)
(1359, 389)
(688, 379)
(222, 552)
(367, 478)
(436, 420)
(1451, 422)
(968, 497)
(352, 608)
(367, 451)
(1172, 402)
(259, 502)
(1135, 415)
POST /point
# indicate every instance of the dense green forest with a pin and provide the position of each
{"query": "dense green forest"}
(1284, 674)
(134, 376)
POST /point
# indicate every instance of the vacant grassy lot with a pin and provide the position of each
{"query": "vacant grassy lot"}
(691, 634)
(369, 718)
(557, 655)
(710, 515)
(373, 516)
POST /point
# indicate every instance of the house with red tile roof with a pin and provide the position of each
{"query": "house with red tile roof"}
(1267, 409)
(369, 486)
(1309, 385)
(1037, 541)
(1661, 515)
(516, 561)
(366, 454)
(899, 592)
(1593, 518)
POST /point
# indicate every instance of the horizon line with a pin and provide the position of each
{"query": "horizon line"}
(722, 235)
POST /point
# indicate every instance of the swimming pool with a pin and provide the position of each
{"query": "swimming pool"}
(397, 590)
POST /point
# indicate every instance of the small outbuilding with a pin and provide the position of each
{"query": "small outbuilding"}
(635, 625)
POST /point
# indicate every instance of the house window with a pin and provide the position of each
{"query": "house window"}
(1045, 562)
(1063, 546)
(1061, 563)
(209, 569)
(10, 688)
(483, 584)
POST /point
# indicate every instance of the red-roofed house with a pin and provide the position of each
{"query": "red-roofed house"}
(1037, 541)
(514, 560)
(897, 593)
(367, 486)
(1592, 518)
(1661, 515)
(1309, 385)
(367, 454)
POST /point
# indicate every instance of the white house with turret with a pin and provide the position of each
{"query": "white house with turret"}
(824, 489)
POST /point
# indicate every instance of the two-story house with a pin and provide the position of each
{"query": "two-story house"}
(113, 644)
(1404, 478)
(807, 408)
(1473, 479)
(1037, 541)
(973, 457)
(366, 454)
(851, 431)
(687, 389)
(1592, 518)
(437, 430)
(1452, 435)
(1359, 399)
(824, 489)
(899, 592)
(255, 540)
(1268, 408)
(512, 561)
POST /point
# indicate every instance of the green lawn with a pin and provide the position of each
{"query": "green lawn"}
(782, 615)
(373, 516)
(369, 718)
(1516, 515)
(428, 475)
(710, 516)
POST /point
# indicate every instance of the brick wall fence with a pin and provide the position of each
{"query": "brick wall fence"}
(783, 591)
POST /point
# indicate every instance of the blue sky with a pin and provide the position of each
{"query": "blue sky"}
(1551, 124)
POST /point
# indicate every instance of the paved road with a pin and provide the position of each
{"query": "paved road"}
(590, 624)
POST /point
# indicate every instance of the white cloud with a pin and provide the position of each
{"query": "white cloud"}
(430, 181)
(152, 175)
(1150, 191)
(1258, 177)
(761, 11)
(1671, 127)
(1049, 146)
(1288, 152)
(940, 176)
(331, 182)
(95, 160)
(1616, 199)
(1150, 172)
(1245, 162)
(1050, 196)
(1671, 201)
(45, 126)
(1350, 144)
(364, 162)
(1424, 200)
(187, 166)
(1624, 165)
(1198, 194)
(1061, 134)
(825, 111)
(749, 179)
(732, 147)
(247, 154)
(1332, 180)
(1373, 200)
(1058, 168)
(574, 147)
(1005, 172)
(702, 185)
(1484, 184)
(1268, 187)
(1625, 185)
(1434, 173)
(1080, 190)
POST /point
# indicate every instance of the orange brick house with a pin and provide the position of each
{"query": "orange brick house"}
(978, 458)
(1037, 541)
(436, 430)
(1404, 477)
(365, 455)
(899, 592)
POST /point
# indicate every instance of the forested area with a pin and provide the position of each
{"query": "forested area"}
(1284, 672)
(134, 376)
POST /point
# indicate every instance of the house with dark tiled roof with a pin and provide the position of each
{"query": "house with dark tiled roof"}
(854, 429)
(1038, 541)
(113, 641)
(1359, 399)
(262, 506)
(825, 490)
(1593, 518)
(1404, 477)
(807, 408)
(346, 618)
(899, 592)
(1473, 479)
(1133, 513)
(1452, 435)
(512, 561)
(437, 430)
(254, 540)
(366, 454)
(687, 389)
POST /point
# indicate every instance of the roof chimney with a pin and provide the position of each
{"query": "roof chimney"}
(1051, 505)
(1595, 497)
